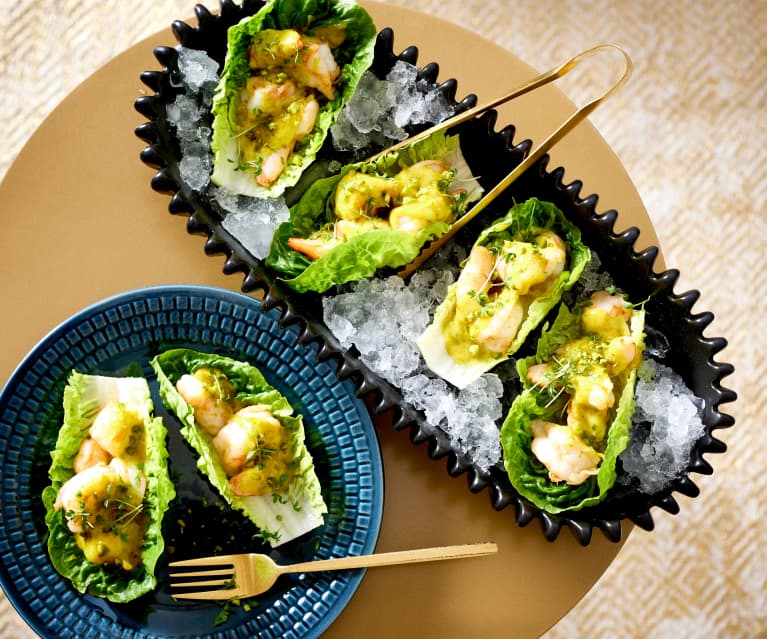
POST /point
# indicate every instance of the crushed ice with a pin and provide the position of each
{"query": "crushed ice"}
(252, 221)
(665, 426)
(378, 113)
(198, 72)
(386, 343)
(189, 114)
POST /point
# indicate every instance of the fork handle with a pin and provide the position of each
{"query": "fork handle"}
(438, 553)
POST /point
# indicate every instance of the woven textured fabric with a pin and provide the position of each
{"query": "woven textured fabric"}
(691, 130)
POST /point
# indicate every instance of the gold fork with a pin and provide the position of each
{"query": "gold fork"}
(247, 575)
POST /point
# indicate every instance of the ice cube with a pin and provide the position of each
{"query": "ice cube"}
(666, 425)
(198, 71)
(251, 221)
(186, 116)
(194, 168)
(379, 111)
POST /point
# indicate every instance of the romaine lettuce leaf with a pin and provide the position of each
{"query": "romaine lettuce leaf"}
(528, 476)
(362, 255)
(354, 56)
(280, 518)
(521, 217)
(84, 397)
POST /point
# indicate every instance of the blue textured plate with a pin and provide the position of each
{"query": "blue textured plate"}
(119, 336)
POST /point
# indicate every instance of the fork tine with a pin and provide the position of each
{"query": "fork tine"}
(198, 583)
(213, 595)
(204, 561)
(202, 573)
(222, 566)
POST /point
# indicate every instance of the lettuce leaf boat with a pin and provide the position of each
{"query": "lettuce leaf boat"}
(527, 474)
(85, 397)
(489, 312)
(296, 506)
(352, 57)
(361, 255)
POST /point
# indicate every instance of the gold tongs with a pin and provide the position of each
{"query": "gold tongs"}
(534, 155)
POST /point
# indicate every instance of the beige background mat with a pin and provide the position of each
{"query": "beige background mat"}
(691, 130)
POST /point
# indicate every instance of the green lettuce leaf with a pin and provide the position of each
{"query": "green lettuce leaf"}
(362, 255)
(84, 397)
(528, 476)
(279, 518)
(354, 57)
(521, 217)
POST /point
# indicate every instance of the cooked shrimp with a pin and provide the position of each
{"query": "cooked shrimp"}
(566, 456)
(271, 476)
(608, 315)
(554, 253)
(89, 454)
(116, 429)
(314, 249)
(319, 244)
(359, 195)
(594, 389)
(528, 266)
(315, 67)
(621, 354)
(309, 112)
(210, 395)
(131, 474)
(73, 494)
(497, 332)
(273, 165)
(540, 375)
(251, 435)
(473, 280)
(263, 97)
(413, 179)
(522, 265)
(98, 491)
(494, 318)
(591, 398)
(416, 214)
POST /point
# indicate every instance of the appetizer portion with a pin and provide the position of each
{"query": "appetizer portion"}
(109, 488)
(564, 432)
(289, 69)
(373, 215)
(516, 272)
(249, 441)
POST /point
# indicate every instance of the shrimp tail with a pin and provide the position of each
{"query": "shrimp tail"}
(313, 249)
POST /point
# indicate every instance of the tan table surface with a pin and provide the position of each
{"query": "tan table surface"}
(684, 130)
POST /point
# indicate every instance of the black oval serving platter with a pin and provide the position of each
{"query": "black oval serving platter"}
(491, 154)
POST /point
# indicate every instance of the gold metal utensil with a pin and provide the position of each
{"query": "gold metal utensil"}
(535, 155)
(247, 575)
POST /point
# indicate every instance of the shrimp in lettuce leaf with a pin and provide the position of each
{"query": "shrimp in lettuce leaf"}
(249, 440)
(515, 274)
(109, 488)
(289, 69)
(564, 432)
(373, 215)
